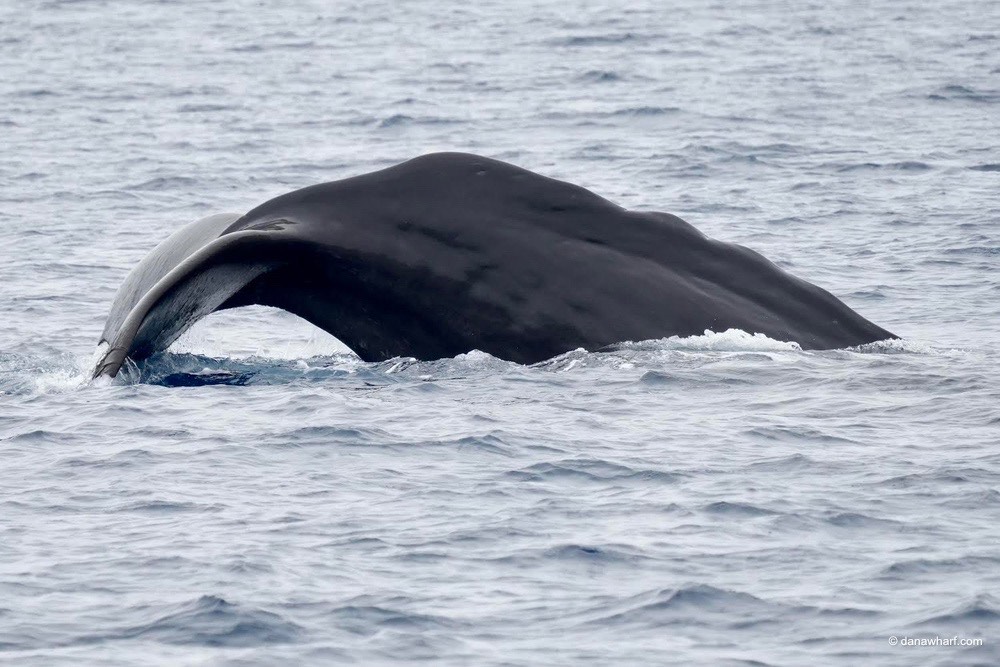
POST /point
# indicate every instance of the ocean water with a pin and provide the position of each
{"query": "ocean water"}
(259, 496)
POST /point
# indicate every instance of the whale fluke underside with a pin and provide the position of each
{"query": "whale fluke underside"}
(451, 252)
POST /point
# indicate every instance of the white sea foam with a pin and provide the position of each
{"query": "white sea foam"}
(731, 340)
(61, 380)
(900, 346)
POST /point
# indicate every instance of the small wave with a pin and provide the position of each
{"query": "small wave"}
(212, 621)
(590, 470)
(909, 165)
(744, 29)
(906, 165)
(35, 436)
(164, 183)
(980, 609)
(645, 111)
(193, 91)
(370, 619)
(680, 605)
(597, 40)
(36, 92)
(659, 378)
(399, 120)
(243, 565)
(588, 554)
(987, 251)
(978, 500)
(662, 379)
(599, 76)
(936, 567)
(492, 443)
(798, 434)
(396, 120)
(795, 462)
(165, 507)
(738, 509)
(938, 478)
(325, 435)
(858, 520)
(956, 92)
(128, 458)
(206, 108)
(246, 48)
(871, 294)
(993, 166)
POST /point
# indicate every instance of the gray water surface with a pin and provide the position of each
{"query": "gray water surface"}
(257, 495)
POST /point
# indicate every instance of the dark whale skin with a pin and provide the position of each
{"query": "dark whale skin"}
(451, 252)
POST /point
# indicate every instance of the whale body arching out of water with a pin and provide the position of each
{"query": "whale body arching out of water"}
(451, 252)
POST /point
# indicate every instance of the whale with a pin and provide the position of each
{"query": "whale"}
(452, 252)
